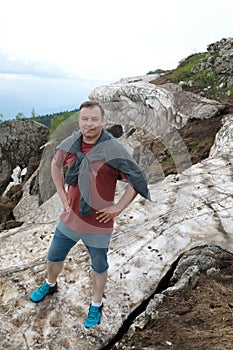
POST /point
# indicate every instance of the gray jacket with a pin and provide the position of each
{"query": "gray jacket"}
(112, 152)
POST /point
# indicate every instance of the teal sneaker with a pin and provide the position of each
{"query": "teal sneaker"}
(94, 316)
(40, 293)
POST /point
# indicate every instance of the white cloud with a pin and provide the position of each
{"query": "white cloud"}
(104, 41)
(21, 93)
(102, 37)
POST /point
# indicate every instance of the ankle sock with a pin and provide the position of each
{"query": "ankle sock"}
(50, 284)
(96, 304)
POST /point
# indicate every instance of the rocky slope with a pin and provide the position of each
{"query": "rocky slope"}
(188, 210)
(194, 314)
(155, 257)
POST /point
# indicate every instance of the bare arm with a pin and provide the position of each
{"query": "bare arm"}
(58, 179)
(104, 215)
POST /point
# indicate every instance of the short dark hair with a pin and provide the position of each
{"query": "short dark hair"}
(92, 104)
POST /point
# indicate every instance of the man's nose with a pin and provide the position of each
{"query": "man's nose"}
(89, 122)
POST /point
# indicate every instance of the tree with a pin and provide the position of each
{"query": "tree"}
(33, 114)
(20, 116)
(57, 120)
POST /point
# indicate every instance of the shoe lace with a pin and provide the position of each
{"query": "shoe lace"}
(44, 288)
(93, 312)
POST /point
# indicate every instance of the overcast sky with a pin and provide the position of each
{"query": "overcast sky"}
(54, 52)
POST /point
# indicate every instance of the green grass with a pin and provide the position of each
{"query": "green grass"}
(168, 160)
(183, 71)
(202, 79)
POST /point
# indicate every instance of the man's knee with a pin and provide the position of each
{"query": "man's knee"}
(100, 269)
(60, 247)
(99, 259)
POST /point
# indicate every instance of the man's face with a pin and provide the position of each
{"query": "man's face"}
(90, 123)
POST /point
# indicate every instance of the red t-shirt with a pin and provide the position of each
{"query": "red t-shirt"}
(102, 179)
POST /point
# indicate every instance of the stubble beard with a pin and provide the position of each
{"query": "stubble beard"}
(91, 138)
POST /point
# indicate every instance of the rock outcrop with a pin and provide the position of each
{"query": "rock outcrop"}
(219, 59)
(20, 145)
(20, 155)
(157, 109)
(155, 119)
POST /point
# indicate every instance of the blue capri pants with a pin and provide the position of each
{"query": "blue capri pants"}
(61, 245)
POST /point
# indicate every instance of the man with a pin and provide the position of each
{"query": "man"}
(95, 162)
